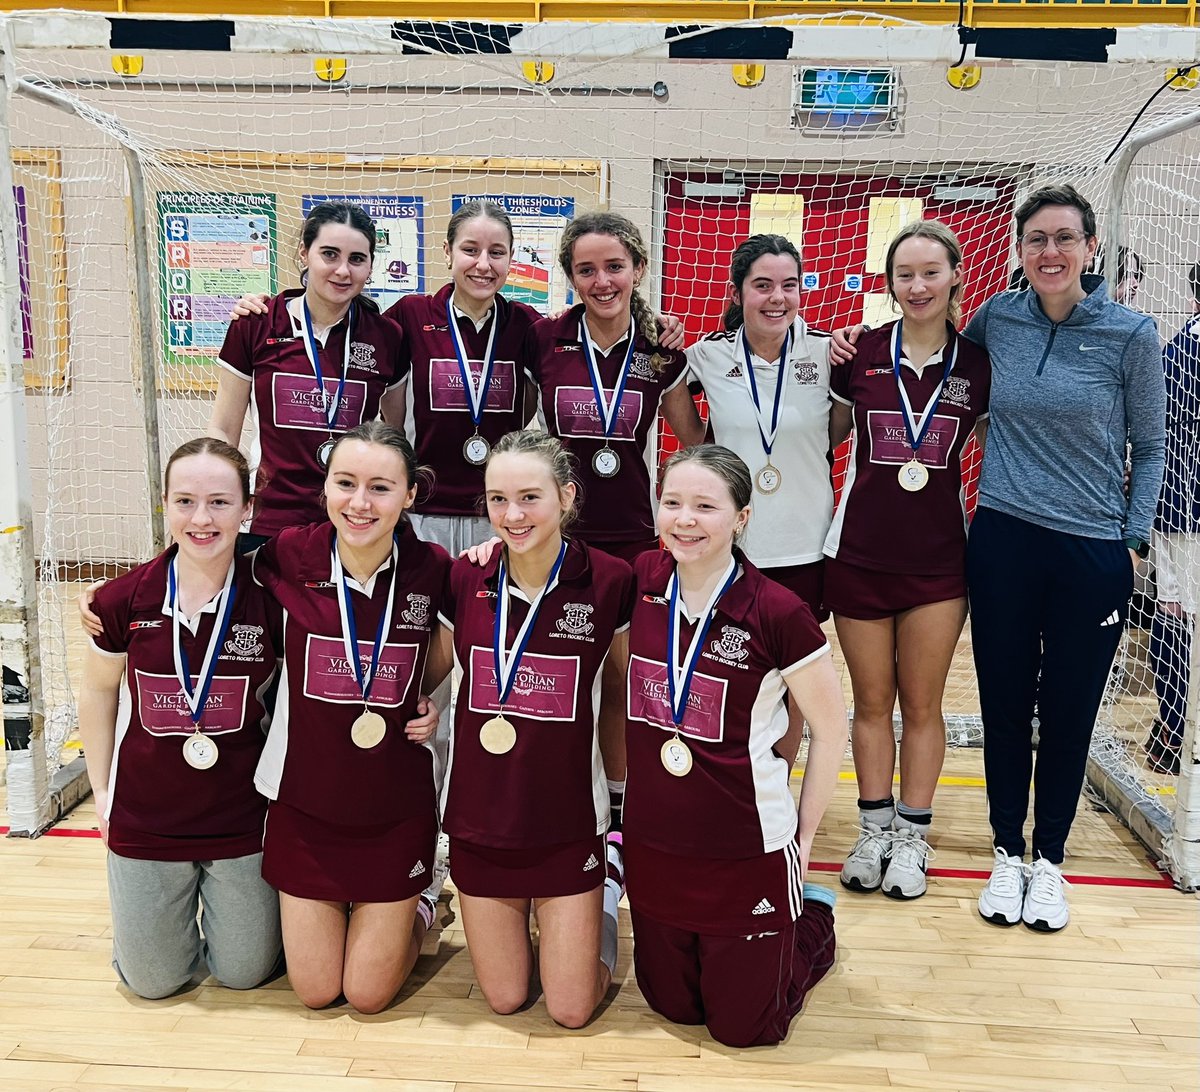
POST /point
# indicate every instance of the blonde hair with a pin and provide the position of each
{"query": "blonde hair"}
(559, 461)
(939, 233)
(626, 233)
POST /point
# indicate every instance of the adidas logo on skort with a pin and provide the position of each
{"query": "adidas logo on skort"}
(591, 863)
(419, 868)
(763, 907)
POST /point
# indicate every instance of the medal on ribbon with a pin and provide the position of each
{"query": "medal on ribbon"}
(476, 450)
(768, 479)
(369, 727)
(675, 754)
(312, 348)
(498, 736)
(606, 462)
(914, 474)
(199, 751)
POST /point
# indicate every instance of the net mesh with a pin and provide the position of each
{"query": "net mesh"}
(236, 146)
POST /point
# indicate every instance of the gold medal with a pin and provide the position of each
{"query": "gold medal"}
(768, 480)
(497, 736)
(368, 730)
(913, 476)
(200, 751)
(676, 757)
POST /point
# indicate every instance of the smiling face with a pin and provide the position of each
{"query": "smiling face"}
(366, 493)
(1053, 273)
(697, 516)
(524, 502)
(769, 297)
(922, 279)
(479, 258)
(338, 263)
(205, 506)
(604, 274)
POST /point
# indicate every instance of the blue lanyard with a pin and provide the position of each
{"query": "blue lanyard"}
(610, 412)
(768, 438)
(365, 679)
(476, 398)
(314, 356)
(915, 430)
(507, 664)
(197, 697)
(679, 675)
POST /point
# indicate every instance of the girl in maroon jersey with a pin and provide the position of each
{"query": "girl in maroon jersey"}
(352, 825)
(725, 931)
(602, 376)
(172, 721)
(311, 364)
(540, 632)
(896, 553)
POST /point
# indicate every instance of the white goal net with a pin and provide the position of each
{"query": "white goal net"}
(703, 137)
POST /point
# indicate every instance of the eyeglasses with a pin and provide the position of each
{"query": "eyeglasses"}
(1037, 241)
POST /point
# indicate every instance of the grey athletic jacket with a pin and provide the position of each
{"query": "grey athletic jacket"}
(1066, 397)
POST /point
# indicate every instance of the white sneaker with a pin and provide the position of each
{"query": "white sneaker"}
(441, 869)
(863, 870)
(1000, 902)
(905, 875)
(1045, 906)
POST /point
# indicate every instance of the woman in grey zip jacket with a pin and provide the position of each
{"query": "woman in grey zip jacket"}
(1076, 378)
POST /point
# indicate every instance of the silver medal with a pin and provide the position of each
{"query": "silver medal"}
(323, 453)
(606, 462)
(476, 450)
(768, 480)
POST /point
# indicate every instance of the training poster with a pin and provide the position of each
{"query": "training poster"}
(399, 268)
(538, 223)
(213, 249)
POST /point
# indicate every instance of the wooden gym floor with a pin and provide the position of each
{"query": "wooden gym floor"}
(925, 995)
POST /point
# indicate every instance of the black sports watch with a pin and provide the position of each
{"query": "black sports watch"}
(1139, 546)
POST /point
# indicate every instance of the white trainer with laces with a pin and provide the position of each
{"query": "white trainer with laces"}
(1002, 900)
(1045, 908)
(863, 870)
(909, 858)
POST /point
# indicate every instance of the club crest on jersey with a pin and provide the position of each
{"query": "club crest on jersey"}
(417, 612)
(640, 367)
(729, 645)
(146, 625)
(362, 355)
(244, 643)
(806, 373)
(957, 391)
(575, 619)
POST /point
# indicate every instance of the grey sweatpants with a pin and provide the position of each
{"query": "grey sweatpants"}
(158, 945)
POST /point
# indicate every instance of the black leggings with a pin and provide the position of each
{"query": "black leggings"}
(1047, 611)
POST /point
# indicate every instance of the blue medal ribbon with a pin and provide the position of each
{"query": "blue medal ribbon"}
(314, 357)
(476, 397)
(507, 664)
(365, 679)
(916, 429)
(767, 437)
(197, 697)
(679, 675)
(609, 411)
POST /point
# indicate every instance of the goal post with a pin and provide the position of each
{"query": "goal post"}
(154, 183)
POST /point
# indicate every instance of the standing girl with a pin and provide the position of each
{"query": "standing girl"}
(601, 377)
(895, 576)
(540, 633)
(766, 377)
(726, 933)
(172, 721)
(353, 820)
(309, 365)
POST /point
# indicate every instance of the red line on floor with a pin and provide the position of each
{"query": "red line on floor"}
(823, 866)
